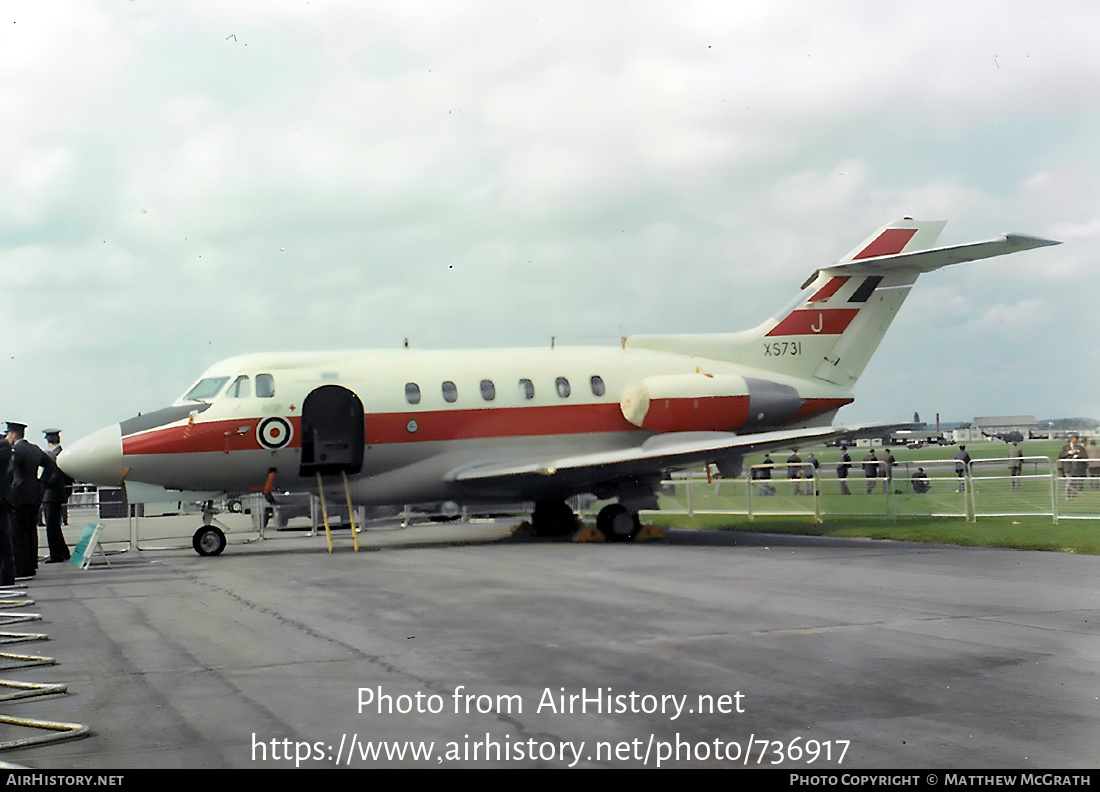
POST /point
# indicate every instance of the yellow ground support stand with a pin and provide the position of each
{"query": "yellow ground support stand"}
(351, 511)
(56, 730)
(324, 510)
(22, 690)
(9, 661)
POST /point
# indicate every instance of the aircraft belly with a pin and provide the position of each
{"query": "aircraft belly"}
(399, 473)
(238, 471)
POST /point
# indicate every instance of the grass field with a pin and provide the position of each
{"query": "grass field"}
(1024, 533)
(937, 516)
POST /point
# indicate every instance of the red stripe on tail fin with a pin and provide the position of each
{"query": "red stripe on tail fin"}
(888, 243)
(828, 290)
(815, 322)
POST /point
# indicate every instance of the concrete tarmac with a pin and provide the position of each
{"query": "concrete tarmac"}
(469, 649)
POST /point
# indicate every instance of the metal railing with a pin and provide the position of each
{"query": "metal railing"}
(1027, 486)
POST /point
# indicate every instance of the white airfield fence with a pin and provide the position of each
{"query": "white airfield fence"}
(932, 488)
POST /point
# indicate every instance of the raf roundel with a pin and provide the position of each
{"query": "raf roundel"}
(274, 432)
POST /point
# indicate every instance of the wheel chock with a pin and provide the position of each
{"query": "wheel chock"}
(649, 533)
(522, 529)
(588, 533)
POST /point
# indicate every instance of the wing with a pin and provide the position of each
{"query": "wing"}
(648, 461)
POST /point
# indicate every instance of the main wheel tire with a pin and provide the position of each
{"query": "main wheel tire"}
(553, 518)
(209, 541)
(617, 523)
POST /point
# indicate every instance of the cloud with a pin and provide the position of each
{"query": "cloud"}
(192, 181)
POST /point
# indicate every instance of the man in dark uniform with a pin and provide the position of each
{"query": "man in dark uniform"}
(888, 463)
(1073, 460)
(26, 494)
(763, 474)
(962, 465)
(794, 471)
(921, 484)
(842, 470)
(56, 490)
(870, 470)
(7, 517)
(1015, 464)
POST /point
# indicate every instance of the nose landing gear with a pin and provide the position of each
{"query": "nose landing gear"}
(209, 540)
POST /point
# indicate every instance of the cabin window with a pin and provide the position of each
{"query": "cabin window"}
(412, 393)
(450, 392)
(206, 389)
(598, 388)
(488, 390)
(527, 388)
(562, 384)
(240, 389)
(265, 386)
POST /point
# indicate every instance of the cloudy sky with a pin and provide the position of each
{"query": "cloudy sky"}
(187, 181)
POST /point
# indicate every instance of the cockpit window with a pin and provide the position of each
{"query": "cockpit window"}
(206, 389)
(265, 386)
(240, 389)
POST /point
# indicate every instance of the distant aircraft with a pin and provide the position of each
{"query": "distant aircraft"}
(538, 425)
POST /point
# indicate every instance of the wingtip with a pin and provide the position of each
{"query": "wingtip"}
(1027, 241)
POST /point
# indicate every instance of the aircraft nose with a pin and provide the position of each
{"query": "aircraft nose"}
(96, 459)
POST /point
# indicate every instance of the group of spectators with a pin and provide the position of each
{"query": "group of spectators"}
(23, 492)
(802, 473)
(1077, 463)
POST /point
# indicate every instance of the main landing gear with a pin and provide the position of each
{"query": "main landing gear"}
(553, 518)
(616, 522)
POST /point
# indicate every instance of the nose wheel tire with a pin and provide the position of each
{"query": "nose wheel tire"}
(209, 541)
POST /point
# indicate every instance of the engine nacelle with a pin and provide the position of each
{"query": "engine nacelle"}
(704, 402)
(687, 402)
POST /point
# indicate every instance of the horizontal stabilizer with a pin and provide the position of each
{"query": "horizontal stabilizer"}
(934, 259)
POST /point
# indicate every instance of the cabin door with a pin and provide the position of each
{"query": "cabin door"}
(332, 432)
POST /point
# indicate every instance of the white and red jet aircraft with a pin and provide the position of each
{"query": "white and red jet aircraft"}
(541, 425)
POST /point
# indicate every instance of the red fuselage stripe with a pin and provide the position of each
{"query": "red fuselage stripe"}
(716, 413)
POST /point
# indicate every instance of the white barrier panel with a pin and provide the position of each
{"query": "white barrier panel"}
(699, 496)
(1010, 487)
(1076, 498)
(783, 490)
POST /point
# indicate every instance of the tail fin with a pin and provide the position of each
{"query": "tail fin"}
(832, 328)
(904, 236)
